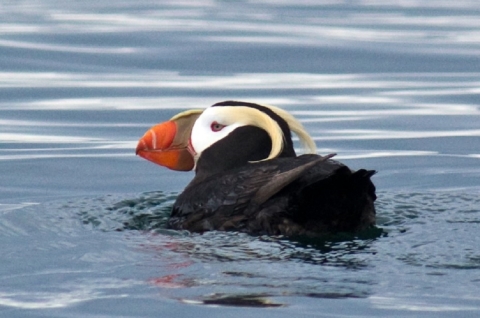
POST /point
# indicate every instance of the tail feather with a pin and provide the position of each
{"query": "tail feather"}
(342, 202)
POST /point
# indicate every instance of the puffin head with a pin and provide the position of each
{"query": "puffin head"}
(223, 136)
(217, 124)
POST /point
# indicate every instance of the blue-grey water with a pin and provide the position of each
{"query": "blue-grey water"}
(388, 85)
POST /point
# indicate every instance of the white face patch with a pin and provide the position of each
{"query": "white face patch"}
(203, 136)
(216, 123)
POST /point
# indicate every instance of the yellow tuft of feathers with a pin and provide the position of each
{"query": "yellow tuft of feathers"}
(187, 113)
(295, 126)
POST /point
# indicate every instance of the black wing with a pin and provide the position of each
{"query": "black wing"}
(218, 202)
(235, 200)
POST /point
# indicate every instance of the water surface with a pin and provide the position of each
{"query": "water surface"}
(391, 86)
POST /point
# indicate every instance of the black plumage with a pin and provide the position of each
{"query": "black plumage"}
(290, 195)
(325, 198)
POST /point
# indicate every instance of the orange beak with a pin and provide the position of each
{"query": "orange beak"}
(166, 144)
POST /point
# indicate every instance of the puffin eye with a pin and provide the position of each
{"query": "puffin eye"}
(216, 126)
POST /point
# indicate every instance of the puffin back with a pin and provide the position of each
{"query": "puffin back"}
(344, 202)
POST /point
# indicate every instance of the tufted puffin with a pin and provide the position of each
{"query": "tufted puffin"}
(248, 177)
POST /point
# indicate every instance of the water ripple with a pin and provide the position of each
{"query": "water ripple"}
(424, 233)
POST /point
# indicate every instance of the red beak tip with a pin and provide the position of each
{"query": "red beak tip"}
(141, 146)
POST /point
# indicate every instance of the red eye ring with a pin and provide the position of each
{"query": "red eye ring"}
(216, 126)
